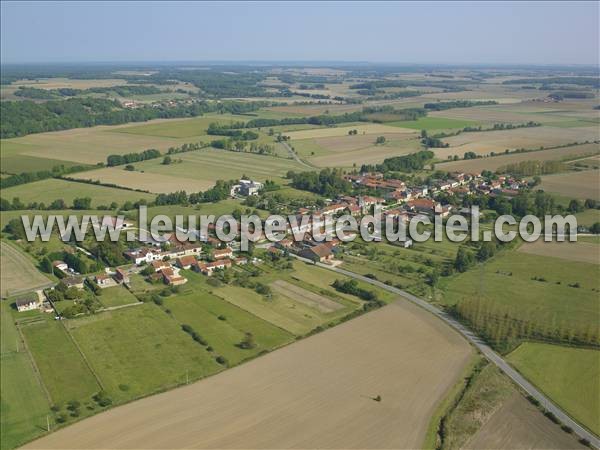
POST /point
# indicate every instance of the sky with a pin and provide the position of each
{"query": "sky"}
(436, 32)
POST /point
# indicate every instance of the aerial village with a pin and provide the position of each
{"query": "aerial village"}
(162, 262)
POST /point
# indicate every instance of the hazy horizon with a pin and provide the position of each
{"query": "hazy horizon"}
(457, 34)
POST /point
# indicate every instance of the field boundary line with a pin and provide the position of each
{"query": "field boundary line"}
(36, 370)
(87, 363)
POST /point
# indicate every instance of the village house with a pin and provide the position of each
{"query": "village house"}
(103, 280)
(222, 253)
(121, 276)
(143, 255)
(28, 303)
(160, 264)
(76, 282)
(241, 260)
(317, 253)
(172, 277)
(366, 202)
(209, 267)
(60, 265)
(185, 262)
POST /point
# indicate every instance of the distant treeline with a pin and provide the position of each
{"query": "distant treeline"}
(48, 94)
(29, 177)
(578, 81)
(530, 168)
(118, 160)
(560, 95)
(20, 118)
(441, 106)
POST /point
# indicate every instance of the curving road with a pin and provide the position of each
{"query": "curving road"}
(490, 354)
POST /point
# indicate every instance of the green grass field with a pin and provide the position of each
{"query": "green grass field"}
(24, 404)
(568, 375)
(197, 307)
(507, 281)
(183, 128)
(116, 296)
(47, 191)
(140, 350)
(212, 165)
(63, 369)
(433, 123)
(588, 217)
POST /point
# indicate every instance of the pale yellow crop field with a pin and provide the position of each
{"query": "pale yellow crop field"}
(493, 163)
(315, 393)
(151, 182)
(485, 142)
(18, 274)
(587, 252)
(580, 185)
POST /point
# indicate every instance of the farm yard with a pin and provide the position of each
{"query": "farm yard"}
(18, 272)
(341, 369)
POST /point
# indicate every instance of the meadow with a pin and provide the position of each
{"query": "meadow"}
(140, 350)
(24, 403)
(567, 375)
(341, 369)
(65, 373)
(46, 191)
(116, 296)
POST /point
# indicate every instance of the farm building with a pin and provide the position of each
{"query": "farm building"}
(318, 253)
(246, 188)
(103, 280)
(60, 265)
(26, 303)
(142, 255)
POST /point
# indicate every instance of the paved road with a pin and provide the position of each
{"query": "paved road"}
(294, 155)
(481, 346)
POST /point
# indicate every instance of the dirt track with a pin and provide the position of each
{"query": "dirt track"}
(316, 393)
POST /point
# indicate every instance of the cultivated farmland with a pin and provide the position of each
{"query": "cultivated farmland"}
(572, 251)
(340, 370)
(580, 185)
(495, 162)
(47, 191)
(361, 128)
(485, 142)
(18, 272)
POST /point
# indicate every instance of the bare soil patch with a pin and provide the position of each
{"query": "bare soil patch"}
(580, 185)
